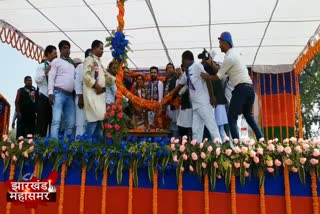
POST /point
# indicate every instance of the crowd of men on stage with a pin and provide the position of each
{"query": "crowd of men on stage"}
(71, 95)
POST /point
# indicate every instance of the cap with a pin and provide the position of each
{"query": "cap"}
(226, 36)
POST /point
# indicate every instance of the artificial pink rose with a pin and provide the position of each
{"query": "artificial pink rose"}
(219, 176)
(293, 140)
(244, 150)
(3, 148)
(7, 153)
(256, 159)
(182, 169)
(270, 142)
(175, 158)
(261, 140)
(205, 140)
(237, 150)
(294, 169)
(217, 140)
(286, 141)
(252, 142)
(280, 149)
(184, 142)
(303, 160)
(201, 145)
(276, 140)
(245, 141)
(300, 140)
(236, 165)
(113, 107)
(306, 141)
(108, 108)
(252, 153)
(228, 152)
(31, 148)
(12, 145)
(20, 138)
(172, 147)
(117, 127)
(314, 161)
(20, 146)
(185, 157)
(226, 139)
(209, 149)
(191, 169)
(270, 169)
(120, 107)
(172, 140)
(21, 142)
(185, 137)
(277, 162)
(215, 164)
(109, 126)
(176, 141)
(5, 137)
(218, 151)
(246, 165)
(235, 141)
(194, 156)
(271, 147)
(203, 155)
(30, 141)
(288, 150)
(14, 158)
(260, 151)
(246, 174)
(298, 149)
(112, 113)
(305, 146)
(25, 154)
(120, 115)
(193, 142)
(29, 136)
(288, 162)
(269, 163)
(3, 156)
(204, 165)
(182, 148)
(109, 135)
(316, 152)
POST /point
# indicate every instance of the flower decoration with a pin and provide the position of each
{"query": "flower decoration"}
(119, 46)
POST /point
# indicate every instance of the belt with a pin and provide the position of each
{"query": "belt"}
(63, 91)
(243, 84)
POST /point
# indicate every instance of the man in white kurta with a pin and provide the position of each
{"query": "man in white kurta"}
(95, 79)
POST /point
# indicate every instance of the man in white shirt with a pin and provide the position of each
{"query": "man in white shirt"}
(78, 87)
(44, 110)
(60, 90)
(155, 91)
(203, 112)
(243, 94)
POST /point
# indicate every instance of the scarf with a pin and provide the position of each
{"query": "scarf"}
(153, 93)
(68, 59)
(189, 83)
(46, 64)
(143, 92)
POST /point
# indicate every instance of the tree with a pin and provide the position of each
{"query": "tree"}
(310, 98)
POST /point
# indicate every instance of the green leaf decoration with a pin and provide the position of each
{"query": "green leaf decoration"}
(151, 170)
(135, 173)
(56, 162)
(213, 177)
(21, 169)
(178, 169)
(6, 164)
(40, 168)
(227, 178)
(302, 175)
(242, 177)
(261, 180)
(119, 171)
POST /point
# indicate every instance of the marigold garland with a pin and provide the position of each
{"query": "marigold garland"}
(130, 196)
(180, 197)
(262, 196)
(287, 189)
(83, 188)
(11, 176)
(206, 195)
(233, 195)
(61, 196)
(307, 57)
(315, 198)
(155, 192)
(104, 191)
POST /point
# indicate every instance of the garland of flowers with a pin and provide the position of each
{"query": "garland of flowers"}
(82, 188)
(233, 195)
(262, 195)
(315, 199)
(104, 191)
(180, 196)
(287, 189)
(130, 191)
(11, 176)
(307, 57)
(62, 182)
(155, 192)
(206, 195)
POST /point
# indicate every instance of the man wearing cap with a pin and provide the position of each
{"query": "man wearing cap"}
(243, 94)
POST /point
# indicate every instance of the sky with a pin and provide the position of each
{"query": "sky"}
(14, 67)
